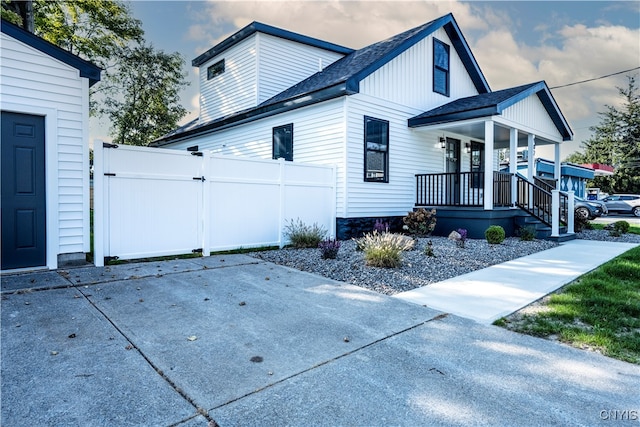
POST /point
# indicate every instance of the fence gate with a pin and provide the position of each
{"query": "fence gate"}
(154, 202)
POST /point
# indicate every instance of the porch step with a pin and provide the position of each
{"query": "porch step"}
(564, 237)
(543, 231)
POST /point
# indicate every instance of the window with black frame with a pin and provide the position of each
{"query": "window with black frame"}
(440, 67)
(376, 150)
(283, 142)
(477, 164)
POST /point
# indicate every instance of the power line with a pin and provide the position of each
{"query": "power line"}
(596, 78)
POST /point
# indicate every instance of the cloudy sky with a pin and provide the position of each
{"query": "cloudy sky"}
(514, 42)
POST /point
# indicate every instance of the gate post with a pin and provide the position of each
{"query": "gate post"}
(206, 204)
(98, 203)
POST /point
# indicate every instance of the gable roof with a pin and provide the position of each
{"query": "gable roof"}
(352, 69)
(494, 103)
(86, 68)
(255, 27)
(339, 78)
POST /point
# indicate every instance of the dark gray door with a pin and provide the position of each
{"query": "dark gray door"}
(23, 191)
(453, 171)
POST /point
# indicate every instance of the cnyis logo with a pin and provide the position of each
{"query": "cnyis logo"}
(619, 415)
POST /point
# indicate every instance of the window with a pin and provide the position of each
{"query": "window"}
(376, 150)
(215, 69)
(283, 142)
(440, 67)
(477, 164)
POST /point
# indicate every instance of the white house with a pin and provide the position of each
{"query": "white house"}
(409, 121)
(44, 98)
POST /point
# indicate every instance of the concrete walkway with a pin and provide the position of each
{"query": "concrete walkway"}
(235, 341)
(491, 293)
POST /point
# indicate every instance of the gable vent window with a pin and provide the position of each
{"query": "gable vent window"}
(376, 150)
(440, 67)
(215, 69)
(283, 142)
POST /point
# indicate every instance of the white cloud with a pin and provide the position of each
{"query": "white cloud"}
(560, 56)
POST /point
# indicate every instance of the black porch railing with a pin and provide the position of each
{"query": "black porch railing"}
(461, 189)
(538, 202)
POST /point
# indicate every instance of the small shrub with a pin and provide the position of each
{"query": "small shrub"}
(527, 233)
(302, 235)
(619, 228)
(428, 250)
(463, 237)
(495, 234)
(380, 226)
(580, 223)
(385, 257)
(384, 249)
(329, 248)
(420, 222)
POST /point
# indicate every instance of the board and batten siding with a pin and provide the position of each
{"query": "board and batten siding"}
(529, 115)
(408, 78)
(235, 89)
(318, 137)
(283, 63)
(35, 83)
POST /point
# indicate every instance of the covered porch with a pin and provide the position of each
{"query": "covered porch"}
(485, 130)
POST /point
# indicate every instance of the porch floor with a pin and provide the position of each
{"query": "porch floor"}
(487, 295)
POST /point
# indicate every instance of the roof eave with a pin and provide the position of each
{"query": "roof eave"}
(452, 117)
(254, 27)
(258, 113)
(85, 68)
(466, 55)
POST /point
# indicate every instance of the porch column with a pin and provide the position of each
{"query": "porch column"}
(513, 163)
(531, 142)
(555, 210)
(488, 165)
(556, 169)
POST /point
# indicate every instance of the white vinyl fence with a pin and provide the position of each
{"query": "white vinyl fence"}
(154, 202)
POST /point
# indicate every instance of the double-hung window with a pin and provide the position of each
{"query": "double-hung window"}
(283, 142)
(376, 150)
(440, 67)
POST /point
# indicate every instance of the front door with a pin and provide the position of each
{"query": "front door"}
(23, 191)
(453, 171)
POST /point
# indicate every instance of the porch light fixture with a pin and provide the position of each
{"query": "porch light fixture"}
(443, 142)
(467, 148)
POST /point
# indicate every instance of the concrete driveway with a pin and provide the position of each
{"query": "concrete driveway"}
(234, 341)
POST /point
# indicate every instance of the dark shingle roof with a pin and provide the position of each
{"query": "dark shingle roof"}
(493, 103)
(343, 77)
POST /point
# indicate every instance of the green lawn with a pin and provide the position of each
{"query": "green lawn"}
(632, 229)
(599, 311)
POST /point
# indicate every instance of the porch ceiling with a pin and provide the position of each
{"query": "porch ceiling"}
(474, 129)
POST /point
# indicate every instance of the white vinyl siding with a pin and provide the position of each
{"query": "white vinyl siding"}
(32, 82)
(410, 152)
(233, 90)
(256, 69)
(318, 137)
(530, 115)
(283, 63)
(408, 78)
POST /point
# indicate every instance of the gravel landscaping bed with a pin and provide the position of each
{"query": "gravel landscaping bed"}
(417, 269)
(604, 236)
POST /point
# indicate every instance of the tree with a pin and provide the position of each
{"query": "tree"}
(149, 105)
(616, 141)
(105, 33)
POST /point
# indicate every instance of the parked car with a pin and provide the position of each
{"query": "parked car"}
(589, 209)
(623, 203)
